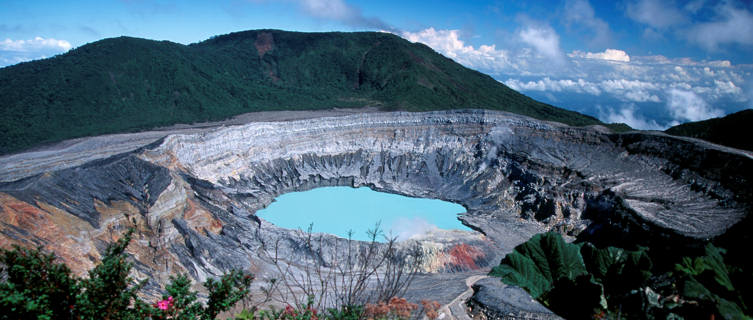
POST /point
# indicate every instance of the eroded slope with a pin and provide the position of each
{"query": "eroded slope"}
(192, 197)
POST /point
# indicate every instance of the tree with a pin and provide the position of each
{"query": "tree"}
(34, 285)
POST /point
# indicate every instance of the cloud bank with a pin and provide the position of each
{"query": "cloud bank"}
(544, 40)
(36, 44)
(447, 42)
(15, 51)
(646, 92)
(608, 54)
(687, 105)
(627, 115)
(724, 23)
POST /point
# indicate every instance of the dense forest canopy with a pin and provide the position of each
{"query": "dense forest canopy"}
(129, 84)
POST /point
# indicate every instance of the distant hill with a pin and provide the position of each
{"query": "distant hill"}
(729, 130)
(128, 84)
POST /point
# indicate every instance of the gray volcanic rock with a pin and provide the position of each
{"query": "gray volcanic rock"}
(124, 178)
(496, 300)
(192, 197)
(509, 167)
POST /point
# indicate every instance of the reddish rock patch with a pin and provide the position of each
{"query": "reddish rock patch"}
(465, 256)
(201, 220)
(264, 43)
(41, 230)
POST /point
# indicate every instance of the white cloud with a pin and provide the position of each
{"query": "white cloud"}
(329, 9)
(622, 89)
(720, 63)
(658, 59)
(335, 10)
(15, 51)
(655, 13)
(615, 85)
(727, 88)
(694, 6)
(447, 42)
(340, 11)
(627, 115)
(688, 106)
(582, 13)
(729, 22)
(641, 96)
(733, 26)
(608, 54)
(547, 84)
(706, 88)
(544, 40)
(36, 44)
(644, 79)
(6, 61)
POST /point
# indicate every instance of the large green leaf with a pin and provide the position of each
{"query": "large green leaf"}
(536, 264)
(521, 271)
(600, 261)
(707, 278)
(620, 271)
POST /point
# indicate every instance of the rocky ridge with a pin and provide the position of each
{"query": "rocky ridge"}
(192, 196)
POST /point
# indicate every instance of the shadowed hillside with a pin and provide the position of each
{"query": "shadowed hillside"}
(729, 130)
(128, 84)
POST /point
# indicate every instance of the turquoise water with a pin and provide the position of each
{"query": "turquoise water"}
(336, 210)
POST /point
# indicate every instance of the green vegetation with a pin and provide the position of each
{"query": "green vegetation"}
(34, 286)
(618, 127)
(728, 131)
(581, 281)
(128, 84)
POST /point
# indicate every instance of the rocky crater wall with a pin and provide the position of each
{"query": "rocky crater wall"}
(192, 197)
(496, 165)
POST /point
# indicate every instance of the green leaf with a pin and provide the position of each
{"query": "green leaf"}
(714, 262)
(730, 310)
(600, 261)
(694, 289)
(520, 270)
(536, 264)
(707, 278)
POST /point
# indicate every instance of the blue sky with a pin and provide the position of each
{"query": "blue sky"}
(648, 63)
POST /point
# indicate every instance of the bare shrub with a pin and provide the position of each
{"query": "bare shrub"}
(340, 273)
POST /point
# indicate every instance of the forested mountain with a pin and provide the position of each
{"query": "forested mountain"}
(128, 84)
(729, 130)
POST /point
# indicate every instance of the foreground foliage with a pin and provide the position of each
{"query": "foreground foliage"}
(37, 287)
(581, 281)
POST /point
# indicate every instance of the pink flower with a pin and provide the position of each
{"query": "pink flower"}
(165, 304)
(289, 311)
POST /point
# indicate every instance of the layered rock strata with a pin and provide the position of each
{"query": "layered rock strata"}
(192, 197)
